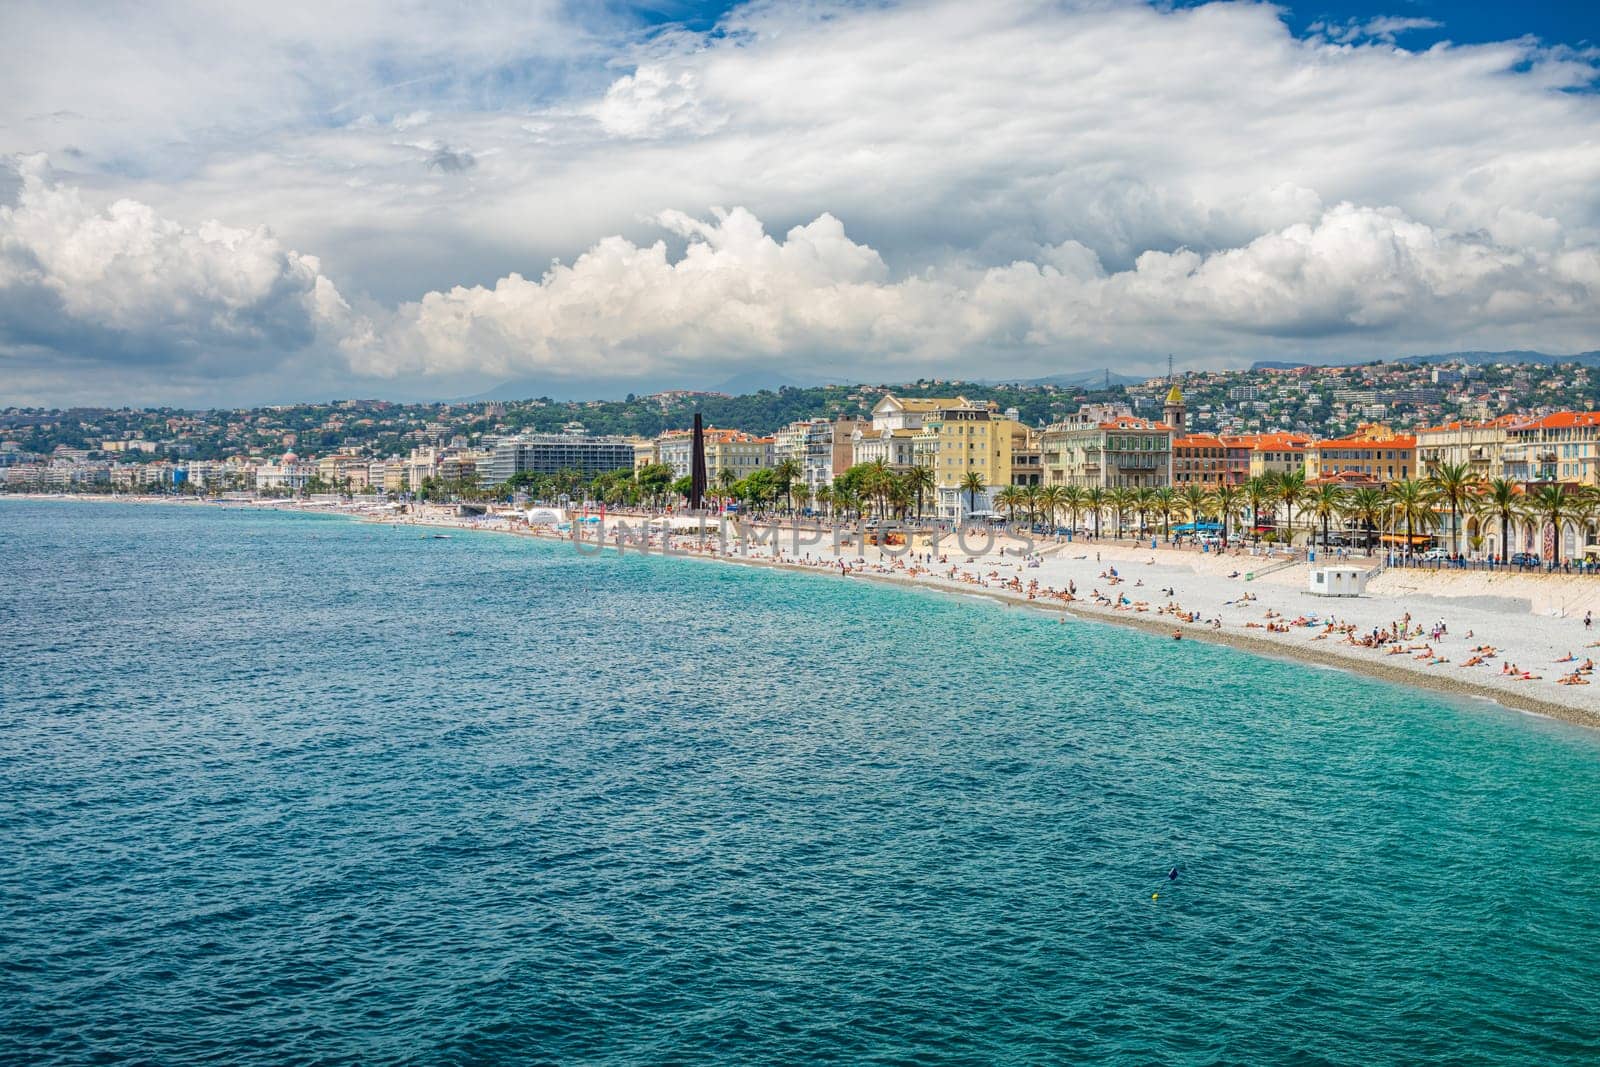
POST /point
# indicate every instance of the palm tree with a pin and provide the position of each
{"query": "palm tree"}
(824, 498)
(1030, 497)
(1366, 506)
(972, 484)
(1165, 502)
(1261, 489)
(1143, 501)
(1196, 501)
(726, 478)
(876, 483)
(1411, 500)
(785, 474)
(1501, 499)
(1453, 483)
(1095, 497)
(920, 481)
(1291, 488)
(1010, 498)
(799, 495)
(1073, 500)
(1227, 499)
(1553, 505)
(1121, 500)
(1051, 500)
(1326, 501)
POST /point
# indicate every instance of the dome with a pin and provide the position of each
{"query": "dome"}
(1174, 396)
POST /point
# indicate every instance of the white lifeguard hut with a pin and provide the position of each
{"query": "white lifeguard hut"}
(1337, 581)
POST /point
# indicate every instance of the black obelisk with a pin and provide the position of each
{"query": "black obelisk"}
(697, 469)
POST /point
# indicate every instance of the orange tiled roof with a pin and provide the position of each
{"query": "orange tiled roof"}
(1560, 420)
(1197, 440)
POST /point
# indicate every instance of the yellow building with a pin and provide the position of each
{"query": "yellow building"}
(1275, 453)
(965, 438)
(1374, 453)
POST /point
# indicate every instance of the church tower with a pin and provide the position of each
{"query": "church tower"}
(1173, 413)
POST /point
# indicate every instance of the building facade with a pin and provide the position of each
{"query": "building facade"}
(550, 453)
(1105, 446)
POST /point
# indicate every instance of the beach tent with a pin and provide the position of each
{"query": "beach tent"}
(545, 516)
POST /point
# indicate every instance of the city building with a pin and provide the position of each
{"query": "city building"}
(1560, 447)
(551, 453)
(726, 450)
(1106, 446)
(1375, 453)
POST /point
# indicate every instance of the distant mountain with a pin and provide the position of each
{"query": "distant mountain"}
(753, 381)
(1476, 359)
(1070, 380)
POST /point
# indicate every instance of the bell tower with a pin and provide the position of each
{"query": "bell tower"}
(1174, 411)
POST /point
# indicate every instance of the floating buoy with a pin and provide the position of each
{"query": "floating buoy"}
(1155, 896)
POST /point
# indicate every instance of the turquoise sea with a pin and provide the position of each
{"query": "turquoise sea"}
(296, 790)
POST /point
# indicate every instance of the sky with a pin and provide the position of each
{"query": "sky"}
(210, 204)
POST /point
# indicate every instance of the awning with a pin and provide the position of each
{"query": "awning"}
(1400, 539)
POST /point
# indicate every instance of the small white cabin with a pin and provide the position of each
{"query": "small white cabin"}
(1337, 581)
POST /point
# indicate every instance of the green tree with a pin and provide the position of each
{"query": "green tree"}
(1554, 505)
(1454, 484)
(1501, 499)
(972, 484)
(1325, 500)
(1291, 488)
(1411, 501)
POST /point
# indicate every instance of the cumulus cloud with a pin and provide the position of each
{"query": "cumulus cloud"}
(939, 186)
(122, 285)
(738, 296)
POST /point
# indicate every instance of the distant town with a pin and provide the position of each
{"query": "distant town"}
(958, 449)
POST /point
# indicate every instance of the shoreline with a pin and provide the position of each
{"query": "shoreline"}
(1363, 661)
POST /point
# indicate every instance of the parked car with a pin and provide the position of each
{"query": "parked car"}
(1525, 559)
(1435, 555)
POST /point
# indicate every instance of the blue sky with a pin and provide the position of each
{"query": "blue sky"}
(244, 203)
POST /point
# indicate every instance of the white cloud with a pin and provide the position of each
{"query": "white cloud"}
(1022, 180)
(132, 287)
(738, 297)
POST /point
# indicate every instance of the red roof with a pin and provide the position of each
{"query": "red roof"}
(1561, 420)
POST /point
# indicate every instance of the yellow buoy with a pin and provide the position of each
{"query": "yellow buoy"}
(1155, 896)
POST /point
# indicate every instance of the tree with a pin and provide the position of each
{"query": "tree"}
(1262, 489)
(1366, 506)
(1095, 497)
(1011, 499)
(1501, 499)
(1453, 483)
(1196, 502)
(682, 486)
(1030, 497)
(1121, 500)
(1291, 487)
(1411, 501)
(920, 481)
(726, 478)
(1228, 500)
(1073, 500)
(785, 474)
(972, 484)
(1165, 502)
(1554, 505)
(1326, 501)
(653, 480)
(1051, 498)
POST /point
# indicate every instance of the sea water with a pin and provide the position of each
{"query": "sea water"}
(285, 789)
